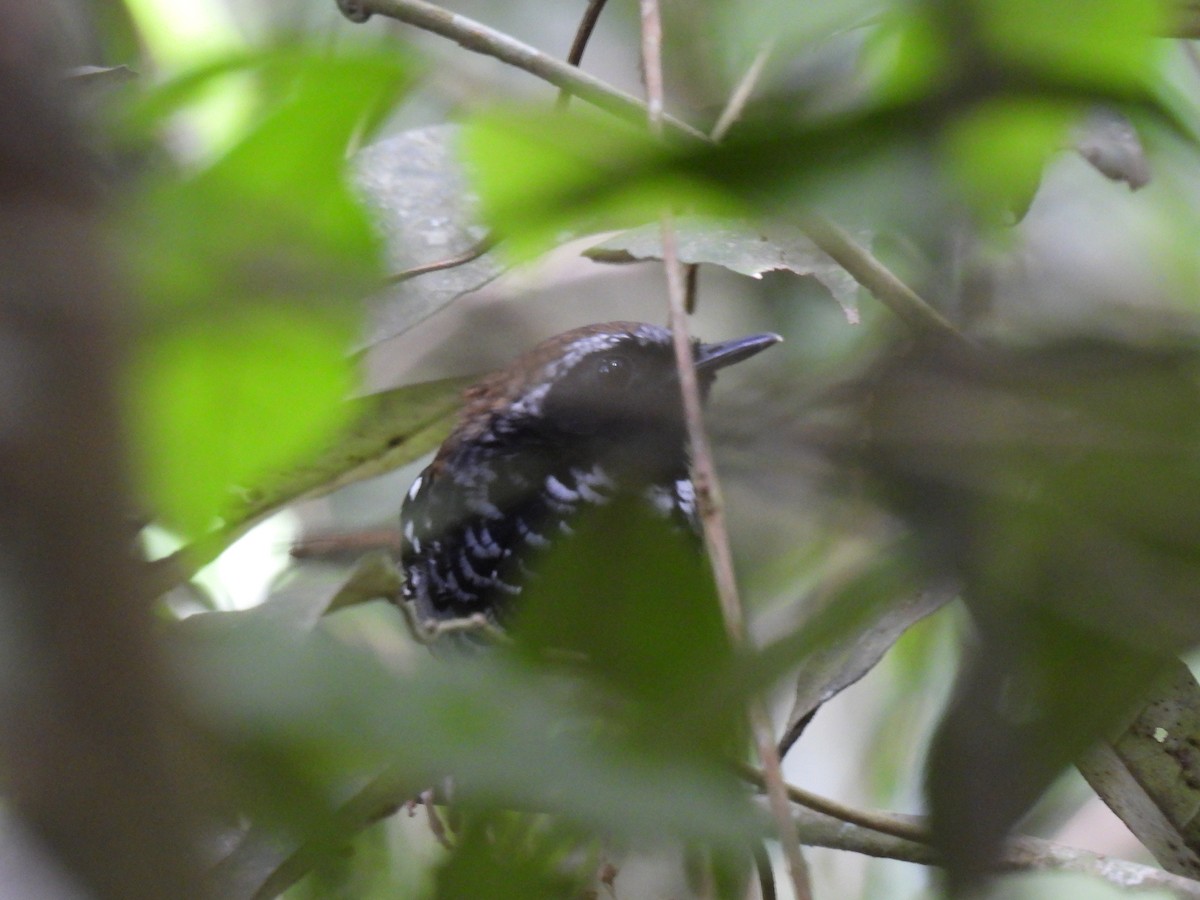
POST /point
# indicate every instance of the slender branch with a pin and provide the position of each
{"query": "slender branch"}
(451, 262)
(1023, 854)
(907, 828)
(741, 93)
(582, 35)
(827, 823)
(893, 293)
(479, 38)
(652, 64)
(704, 476)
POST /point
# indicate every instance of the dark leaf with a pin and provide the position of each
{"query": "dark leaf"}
(1059, 484)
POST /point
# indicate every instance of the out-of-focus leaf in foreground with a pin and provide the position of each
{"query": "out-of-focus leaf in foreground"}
(386, 430)
(510, 737)
(989, 91)
(544, 177)
(1061, 486)
(632, 598)
(251, 269)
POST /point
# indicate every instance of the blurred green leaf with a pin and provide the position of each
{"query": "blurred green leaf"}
(1107, 45)
(250, 271)
(384, 431)
(506, 855)
(1061, 485)
(907, 54)
(633, 598)
(544, 176)
(511, 738)
(217, 405)
(996, 151)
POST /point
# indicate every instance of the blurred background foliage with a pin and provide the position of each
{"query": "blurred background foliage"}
(1014, 505)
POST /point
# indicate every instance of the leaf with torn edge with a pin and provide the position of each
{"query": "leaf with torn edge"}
(742, 247)
(1150, 774)
(426, 211)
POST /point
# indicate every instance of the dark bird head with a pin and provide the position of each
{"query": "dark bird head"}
(608, 391)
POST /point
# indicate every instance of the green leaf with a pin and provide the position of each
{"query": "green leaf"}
(219, 405)
(542, 176)
(750, 248)
(511, 738)
(907, 54)
(383, 432)
(648, 629)
(251, 270)
(1105, 45)
(1059, 485)
(996, 151)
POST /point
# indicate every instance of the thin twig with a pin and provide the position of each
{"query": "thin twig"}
(876, 833)
(582, 35)
(707, 488)
(741, 93)
(868, 271)
(479, 38)
(1022, 854)
(652, 64)
(904, 827)
(469, 255)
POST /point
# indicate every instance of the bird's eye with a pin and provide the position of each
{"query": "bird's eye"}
(614, 372)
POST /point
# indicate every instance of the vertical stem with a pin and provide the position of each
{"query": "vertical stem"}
(708, 494)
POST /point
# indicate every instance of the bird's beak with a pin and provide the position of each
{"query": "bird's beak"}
(710, 357)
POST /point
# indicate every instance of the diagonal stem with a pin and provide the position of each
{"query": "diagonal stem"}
(704, 476)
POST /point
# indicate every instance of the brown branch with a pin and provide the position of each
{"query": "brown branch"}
(704, 476)
(905, 828)
(1022, 854)
(827, 823)
(451, 262)
(741, 93)
(868, 271)
(94, 748)
(479, 38)
(583, 34)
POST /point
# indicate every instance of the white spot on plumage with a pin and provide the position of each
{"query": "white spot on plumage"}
(586, 484)
(530, 536)
(686, 492)
(560, 491)
(483, 507)
(481, 543)
(415, 489)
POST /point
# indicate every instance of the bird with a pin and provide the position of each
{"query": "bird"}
(586, 418)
